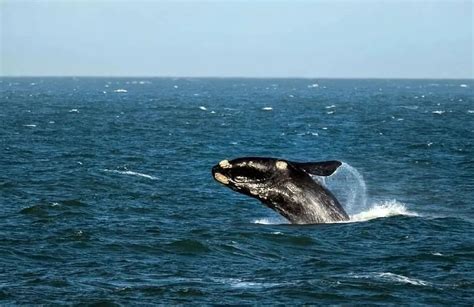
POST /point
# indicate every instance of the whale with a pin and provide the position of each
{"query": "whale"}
(287, 187)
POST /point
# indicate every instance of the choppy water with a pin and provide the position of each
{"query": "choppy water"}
(106, 193)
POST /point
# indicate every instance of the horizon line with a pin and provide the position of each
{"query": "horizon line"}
(236, 77)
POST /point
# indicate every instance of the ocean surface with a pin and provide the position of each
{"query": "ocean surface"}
(107, 197)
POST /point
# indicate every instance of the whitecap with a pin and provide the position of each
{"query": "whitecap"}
(74, 111)
(330, 112)
(132, 173)
(463, 85)
(270, 221)
(391, 277)
(120, 90)
(413, 107)
(30, 125)
(383, 209)
(331, 106)
(267, 108)
(402, 279)
(239, 283)
(470, 111)
(203, 108)
(313, 85)
(438, 112)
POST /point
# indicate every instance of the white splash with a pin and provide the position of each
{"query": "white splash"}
(271, 221)
(348, 185)
(203, 108)
(383, 209)
(131, 173)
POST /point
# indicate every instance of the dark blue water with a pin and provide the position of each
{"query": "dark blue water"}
(107, 197)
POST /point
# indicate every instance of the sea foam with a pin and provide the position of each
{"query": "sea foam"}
(392, 278)
(131, 173)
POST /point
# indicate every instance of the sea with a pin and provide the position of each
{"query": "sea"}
(107, 197)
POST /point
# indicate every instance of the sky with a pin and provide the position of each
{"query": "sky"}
(263, 38)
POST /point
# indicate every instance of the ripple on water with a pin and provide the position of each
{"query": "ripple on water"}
(188, 246)
(63, 209)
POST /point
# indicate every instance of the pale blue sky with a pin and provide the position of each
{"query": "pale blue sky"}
(350, 39)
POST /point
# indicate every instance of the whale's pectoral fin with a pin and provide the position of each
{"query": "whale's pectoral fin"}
(326, 168)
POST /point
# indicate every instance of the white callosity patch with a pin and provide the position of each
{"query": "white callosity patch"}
(221, 178)
(281, 165)
(225, 164)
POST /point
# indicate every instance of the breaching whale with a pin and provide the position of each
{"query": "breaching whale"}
(284, 186)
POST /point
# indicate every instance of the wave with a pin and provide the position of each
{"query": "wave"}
(391, 277)
(131, 173)
(243, 284)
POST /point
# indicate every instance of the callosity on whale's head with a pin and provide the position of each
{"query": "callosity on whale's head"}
(284, 186)
(251, 176)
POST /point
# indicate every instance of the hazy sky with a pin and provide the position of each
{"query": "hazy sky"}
(386, 39)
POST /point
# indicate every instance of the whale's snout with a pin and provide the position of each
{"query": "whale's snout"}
(219, 172)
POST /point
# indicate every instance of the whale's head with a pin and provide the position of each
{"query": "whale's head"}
(285, 186)
(256, 177)
(252, 176)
